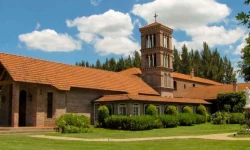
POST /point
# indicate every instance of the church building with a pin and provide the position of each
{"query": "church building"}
(35, 92)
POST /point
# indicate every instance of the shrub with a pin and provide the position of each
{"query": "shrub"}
(199, 119)
(186, 119)
(236, 118)
(220, 118)
(169, 121)
(172, 110)
(72, 123)
(151, 110)
(187, 109)
(132, 122)
(103, 112)
(201, 109)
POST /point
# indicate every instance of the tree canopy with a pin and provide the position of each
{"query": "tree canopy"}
(244, 65)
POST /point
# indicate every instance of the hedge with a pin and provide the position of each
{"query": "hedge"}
(171, 110)
(73, 123)
(188, 119)
(236, 118)
(151, 110)
(169, 121)
(132, 122)
(187, 109)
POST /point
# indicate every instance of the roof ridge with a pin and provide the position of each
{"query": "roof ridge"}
(50, 61)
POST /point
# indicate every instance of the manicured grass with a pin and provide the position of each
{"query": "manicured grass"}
(202, 129)
(29, 143)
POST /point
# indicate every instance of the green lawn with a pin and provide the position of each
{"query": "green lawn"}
(28, 143)
(202, 129)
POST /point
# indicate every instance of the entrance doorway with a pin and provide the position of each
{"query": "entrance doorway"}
(22, 108)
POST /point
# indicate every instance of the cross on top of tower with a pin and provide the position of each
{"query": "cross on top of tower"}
(155, 16)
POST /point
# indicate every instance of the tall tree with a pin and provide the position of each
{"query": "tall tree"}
(229, 75)
(87, 64)
(243, 17)
(185, 60)
(206, 60)
(105, 66)
(128, 63)
(112, 64)
(137, 60)
(98, 64)
(176, 61)
(244, 65)
(120, 64)
(196, 63)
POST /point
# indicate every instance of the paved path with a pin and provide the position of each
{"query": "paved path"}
(223, 136)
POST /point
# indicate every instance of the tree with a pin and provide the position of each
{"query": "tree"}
(98, 64)
(244, 65)
(244, 17)
(137, 60)
(112, 64)
(120, 64)
(196, 63)
(87, 64)
(105, 66)
(176, 61)
(185, 60)
(206, 60)
(229, 75)
(128, 63)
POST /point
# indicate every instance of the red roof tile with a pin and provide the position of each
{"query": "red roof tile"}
(64, 76)
(194, 79)
(209, 92)
(131, 71)
(125, 97)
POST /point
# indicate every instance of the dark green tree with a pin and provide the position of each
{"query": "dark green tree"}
(120, 64)
(98, 64)
(243, 17)
(176, 61)
(137, 60)
(206, 61)
(87, 64)
(105, 66)
(244, 65)
(112, 64)
(185, 60)
(128, 63)
(196, 63)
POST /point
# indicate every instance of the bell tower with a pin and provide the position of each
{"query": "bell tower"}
(157, 58)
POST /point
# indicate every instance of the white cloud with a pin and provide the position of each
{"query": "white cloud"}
(183, 14)
(95, 2)
(195, 18)
(214, 35)
(50, 41)
(37, 26)
(106, 32)
(241, 45)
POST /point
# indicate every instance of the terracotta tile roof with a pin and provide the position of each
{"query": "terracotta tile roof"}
(155, 24)
(209, 92)
(131, 71)
(64, 76)
(125, 97)
(195, 79)
(137, 71)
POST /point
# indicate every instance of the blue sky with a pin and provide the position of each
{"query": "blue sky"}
(72, 30)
